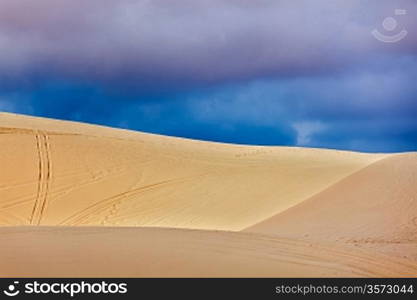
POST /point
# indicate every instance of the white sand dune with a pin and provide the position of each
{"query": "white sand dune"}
(375, 208)
(68, 190)
(63, 173)
(156, 252)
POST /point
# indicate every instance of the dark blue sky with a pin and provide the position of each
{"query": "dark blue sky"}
(305, 73)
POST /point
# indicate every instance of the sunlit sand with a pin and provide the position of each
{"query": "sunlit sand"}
(159, 206)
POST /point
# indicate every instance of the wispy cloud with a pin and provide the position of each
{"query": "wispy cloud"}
(306, 130)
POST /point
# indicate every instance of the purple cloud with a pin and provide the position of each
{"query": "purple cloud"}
(171, 43)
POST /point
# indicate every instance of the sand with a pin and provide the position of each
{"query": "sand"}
(163, 252)
(68, 189)
(374, 208)
(89, 175)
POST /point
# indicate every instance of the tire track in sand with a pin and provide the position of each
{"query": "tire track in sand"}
(85, 213)
(44, 171)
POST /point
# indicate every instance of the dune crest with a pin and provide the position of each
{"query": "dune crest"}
(66, 173)
(375, 207)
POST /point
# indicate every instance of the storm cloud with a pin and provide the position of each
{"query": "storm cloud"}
(164, 43)
(278, 72)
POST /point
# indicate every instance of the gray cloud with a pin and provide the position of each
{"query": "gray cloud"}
(268, 72)
(186, 42)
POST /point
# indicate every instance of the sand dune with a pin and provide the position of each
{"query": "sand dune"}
(68, 190)
(63, 173)
(155, 252)
(376, 208)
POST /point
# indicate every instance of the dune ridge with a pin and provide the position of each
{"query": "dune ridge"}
(86, 176)
(376, 207)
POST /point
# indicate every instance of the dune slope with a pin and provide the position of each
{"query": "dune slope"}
(374, 208)
(66, 173)
(156, 252)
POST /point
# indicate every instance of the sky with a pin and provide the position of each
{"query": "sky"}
(267, 72)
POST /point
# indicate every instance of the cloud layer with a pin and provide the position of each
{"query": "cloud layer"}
(154, 43)
(264, 72)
